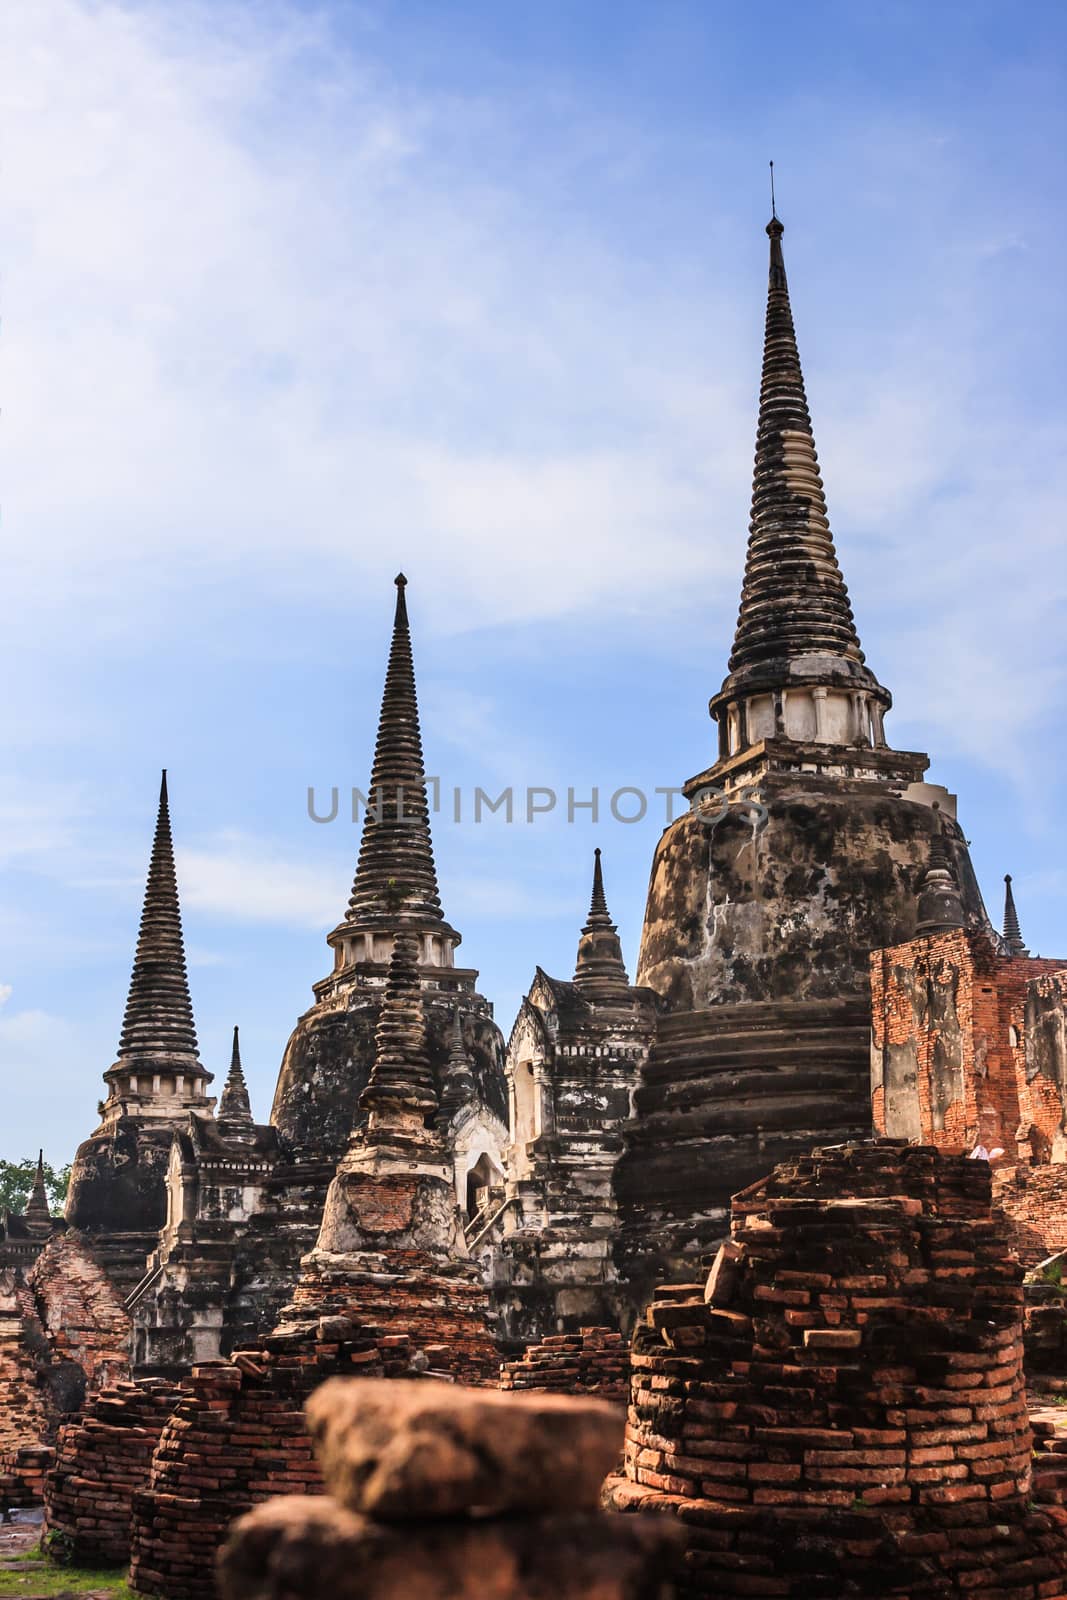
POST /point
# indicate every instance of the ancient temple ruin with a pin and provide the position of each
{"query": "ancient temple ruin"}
(574, 1058)
(816, 967)
(118, 1183)
(328, 1059)
(800, 853)
(200, 1215)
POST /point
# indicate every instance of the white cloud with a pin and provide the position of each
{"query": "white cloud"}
(284, 325)
(5, 993)
(251, 352)
(244, 879)
(38, 820)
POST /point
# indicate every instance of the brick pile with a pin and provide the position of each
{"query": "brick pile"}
(102, 1458)
(435, 1491)
(236, 1438)
(841, 1411)
(593, 1361)
(443, 1310)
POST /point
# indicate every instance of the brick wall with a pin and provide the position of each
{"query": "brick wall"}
(949, 1052)
(235, 1439)
(1039, 1027)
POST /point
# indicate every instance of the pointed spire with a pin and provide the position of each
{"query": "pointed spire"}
(234, 1104)
(458, 1085)
(598, 905)
(794, 601)
(37, 1213)
(396, 872)
(600, 972)
(401, 1080)
(940, 902)
(159, 1013)
(1013, 936)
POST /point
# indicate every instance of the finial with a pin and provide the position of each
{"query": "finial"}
(598, 906)
(159, 1015)
(1013, 936)
(458, 1085)
(940, 906)
(600, 971)
(235, 1107)
(774, 214)
(36, 1213)
(396, 866)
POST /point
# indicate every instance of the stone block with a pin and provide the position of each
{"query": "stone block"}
(298, 1547)
(407, 1448)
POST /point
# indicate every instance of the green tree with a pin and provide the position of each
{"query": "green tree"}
(16, 1182)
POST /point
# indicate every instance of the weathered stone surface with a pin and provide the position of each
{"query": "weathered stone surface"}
(404, 1449)
(803, 849)
(574, 1058)
(725, 1094)
(293, 1548)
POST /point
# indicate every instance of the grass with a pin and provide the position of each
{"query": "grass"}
(29, 1577)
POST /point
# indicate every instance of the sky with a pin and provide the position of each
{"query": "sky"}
(295, 296)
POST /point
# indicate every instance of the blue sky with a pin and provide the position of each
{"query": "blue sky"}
(295, 295)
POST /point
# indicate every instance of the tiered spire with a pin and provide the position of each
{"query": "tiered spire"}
(1013, 936)
(159, 1013)
(940, 903)
(396, 872)
(37, 1214)
(401, 1081)
(600, 972)
(794, 601)
(458, 1083)
(235, 1107)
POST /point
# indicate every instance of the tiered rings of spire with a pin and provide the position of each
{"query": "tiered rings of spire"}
(797, 670)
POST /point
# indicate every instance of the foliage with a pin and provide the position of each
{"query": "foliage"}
(16, 1181)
